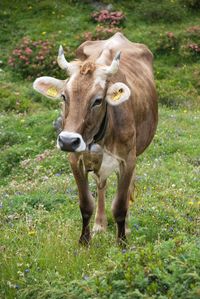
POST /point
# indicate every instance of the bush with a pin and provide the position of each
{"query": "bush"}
(194, 48)
(34, 58)
(109, 23)
(167, 43)
(112, 18)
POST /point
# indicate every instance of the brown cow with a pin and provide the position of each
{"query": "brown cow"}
(109, 118)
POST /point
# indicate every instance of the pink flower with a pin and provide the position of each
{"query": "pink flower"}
(170, 35)
(22, 57)
(28, 51)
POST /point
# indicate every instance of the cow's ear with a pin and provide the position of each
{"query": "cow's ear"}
(117, 94)
(49, 87)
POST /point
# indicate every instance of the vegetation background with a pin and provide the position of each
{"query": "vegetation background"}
(39, 214)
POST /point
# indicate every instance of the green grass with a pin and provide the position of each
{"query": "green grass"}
(40, 220)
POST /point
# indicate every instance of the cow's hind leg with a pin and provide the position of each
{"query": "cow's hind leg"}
(130, 202)
(85, 198)
(100, 223)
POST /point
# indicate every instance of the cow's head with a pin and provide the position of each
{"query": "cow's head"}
(86, 94)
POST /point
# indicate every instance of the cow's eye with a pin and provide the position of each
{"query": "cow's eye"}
(97, 102)
(63, 97)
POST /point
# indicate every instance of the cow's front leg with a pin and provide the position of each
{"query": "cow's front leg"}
(121, 202)
(100, 222)
(85, 198)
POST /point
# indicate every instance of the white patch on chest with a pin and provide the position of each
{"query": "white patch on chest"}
(108, 165)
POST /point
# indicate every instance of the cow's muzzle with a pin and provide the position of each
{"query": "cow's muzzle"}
(70, 142)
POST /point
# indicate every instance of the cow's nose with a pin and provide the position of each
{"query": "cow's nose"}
(69, 144)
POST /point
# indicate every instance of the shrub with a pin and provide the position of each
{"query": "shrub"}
(190, 47)
(109, 23)
(112, 18)
(193, 33)
(34, 58)
(194, 48)
(167, 43)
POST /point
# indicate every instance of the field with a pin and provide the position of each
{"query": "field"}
(40, 220)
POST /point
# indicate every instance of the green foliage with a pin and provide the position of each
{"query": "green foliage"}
(160, 11)
(12, 99)
(34, 58)
(22, 98)
(194, 4)
(23, 137)
(167, 43)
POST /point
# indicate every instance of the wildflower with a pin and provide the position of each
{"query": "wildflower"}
(170, 35)
(32, 233)
(28, 50)
(136, 226)
(85, 277)
(22, 57)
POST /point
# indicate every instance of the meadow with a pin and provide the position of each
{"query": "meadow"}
(40, 220)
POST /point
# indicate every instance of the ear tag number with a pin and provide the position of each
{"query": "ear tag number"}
(117, 94)
(52, 92)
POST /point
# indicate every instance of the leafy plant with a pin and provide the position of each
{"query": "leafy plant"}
(114, 18)
(167, 43)
(34, 58)
(163, 11)
(194, 4)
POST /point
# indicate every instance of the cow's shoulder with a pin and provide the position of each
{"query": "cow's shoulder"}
(118, 42)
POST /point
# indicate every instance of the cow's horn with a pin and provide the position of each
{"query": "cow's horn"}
(113, 68)
(62, 62)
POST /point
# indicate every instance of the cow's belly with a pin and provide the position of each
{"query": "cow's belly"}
(108, 165)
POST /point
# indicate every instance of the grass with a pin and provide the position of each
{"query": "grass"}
(39, 214)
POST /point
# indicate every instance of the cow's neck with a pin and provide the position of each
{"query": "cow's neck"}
(102, 130)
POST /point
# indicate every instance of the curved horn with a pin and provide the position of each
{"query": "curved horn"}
(62, 62)
(113, 68)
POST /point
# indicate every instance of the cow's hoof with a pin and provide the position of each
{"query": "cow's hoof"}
(122, 242)
(84, 240)
(98, 228)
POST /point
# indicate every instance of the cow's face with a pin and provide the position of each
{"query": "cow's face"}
(85, 97)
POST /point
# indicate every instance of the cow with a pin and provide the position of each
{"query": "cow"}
(109, 118)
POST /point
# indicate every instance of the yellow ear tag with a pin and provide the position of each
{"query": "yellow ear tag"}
(52, 92)
(117, 94)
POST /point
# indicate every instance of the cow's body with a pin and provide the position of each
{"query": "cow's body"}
(121, 133)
